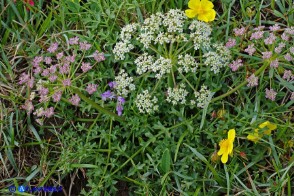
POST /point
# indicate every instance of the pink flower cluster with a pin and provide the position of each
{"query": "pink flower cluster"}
(54, 70)
(236, 64)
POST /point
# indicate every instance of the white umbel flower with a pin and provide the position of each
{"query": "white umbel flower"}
(202, 97)
(121, 48)
(124, 84)
(200, 33)
(127, 31)
(161, 66)
(177, 95)
(145, 103)
(144, 63)
(218, 58)
(174, 21)
(187, 63)
(146, 38)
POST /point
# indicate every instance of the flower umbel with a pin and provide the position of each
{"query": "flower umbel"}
(202, 9)
(226, 146)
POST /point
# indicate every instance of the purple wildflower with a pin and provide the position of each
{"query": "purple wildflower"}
(43, 91)
(48, 60)
(24, 78)
(64, 69)
(59, 55)
(52, 68)
(287, 75)
(290, 30)
(37, 70)
(119, 109)
(285, 37)
(252, 81)
(257, 35)
(53, 47)
(85, 67)
(280, 47)
(270, 94)
(28, 106)
(70, 58)
(57, 96)
(98, 56)
(74, 41)
(250, 49)
(239, 32)
(52, 78)
(275, 27)
(91, 88)
(231, 43)
(107, 95)
(292, 50)
(112, 84)
(275, 63)
(31, 82)
(75, 100)
(121, 99)
(85, 46)
(49, 112)
(259, 28)
(267, 55)
(236, 64)
(270, 39)
(45, 72)
(288, 57)
(37, 60)
(66, 82)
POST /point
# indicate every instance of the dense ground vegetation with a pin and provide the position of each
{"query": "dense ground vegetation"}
(132, 97)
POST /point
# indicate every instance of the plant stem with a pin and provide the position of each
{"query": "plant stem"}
(240, 85)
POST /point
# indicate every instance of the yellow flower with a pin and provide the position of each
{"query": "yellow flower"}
(268, 128)
(226, 146)
(202, 9)
(254, 136)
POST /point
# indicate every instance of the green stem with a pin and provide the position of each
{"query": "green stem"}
(240, 85)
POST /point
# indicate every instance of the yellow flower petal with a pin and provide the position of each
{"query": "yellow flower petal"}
(207, 4)
(202, 17)
(190, 13)
(224, 158)
(202, 9)
(211, 15)
(268, 125)
(254, 137)
(194, 4)
(231, 135)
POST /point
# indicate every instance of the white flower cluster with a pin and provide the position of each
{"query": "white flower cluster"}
(146, 63)
(143, 63)
(202, 97)
(187, 63)
(127, 31)
(121, 48)
(174, 21)
(124, 84)
(153, 23)
(145, 103)
(146, 38)
(200, 33)
(161, 66)
(218, 58)
(177, 95)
